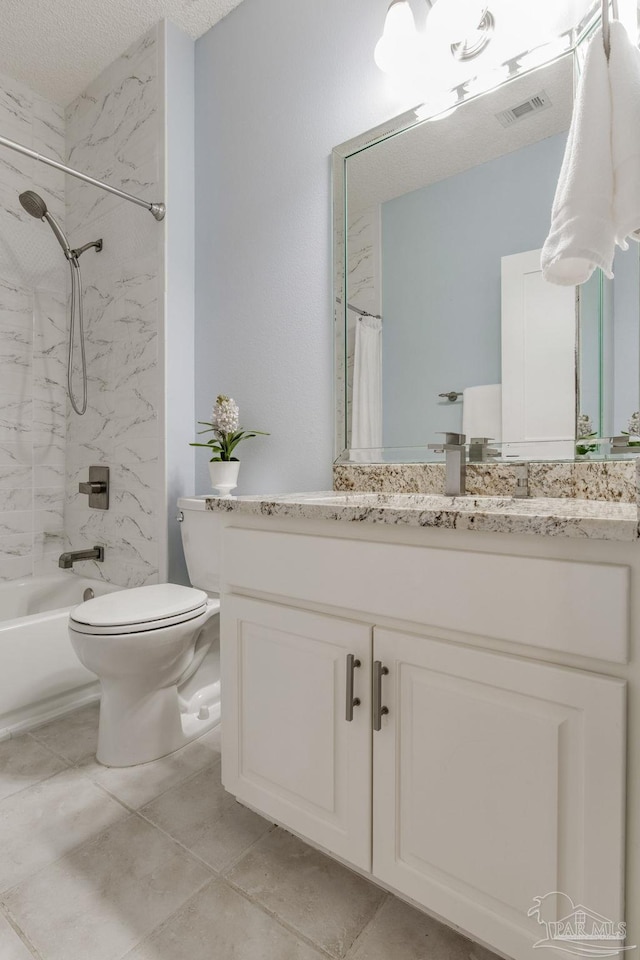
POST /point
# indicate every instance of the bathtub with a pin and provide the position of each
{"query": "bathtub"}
(40, 675)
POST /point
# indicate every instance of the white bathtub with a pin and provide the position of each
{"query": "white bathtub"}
(40, 675)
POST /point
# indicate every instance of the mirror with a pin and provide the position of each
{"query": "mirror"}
(443, 319)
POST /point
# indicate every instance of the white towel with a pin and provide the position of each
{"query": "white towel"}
(624, 76)
(582, 235)
(482, 411)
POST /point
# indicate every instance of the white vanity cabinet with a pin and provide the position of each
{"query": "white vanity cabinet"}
(496, 780)
(495, 776)
(289, 750)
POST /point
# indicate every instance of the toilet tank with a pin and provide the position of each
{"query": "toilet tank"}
(201, 540)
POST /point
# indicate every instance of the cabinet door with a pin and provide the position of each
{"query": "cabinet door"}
(498, 780)
(289, 750)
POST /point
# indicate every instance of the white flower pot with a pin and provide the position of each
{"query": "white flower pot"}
(224, 476)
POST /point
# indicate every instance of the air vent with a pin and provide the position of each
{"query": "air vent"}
(521, 111)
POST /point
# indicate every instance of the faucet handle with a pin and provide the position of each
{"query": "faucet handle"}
(94, 486)
(455, 439)
(480, 451)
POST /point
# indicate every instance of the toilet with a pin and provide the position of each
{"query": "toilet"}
(156, 652)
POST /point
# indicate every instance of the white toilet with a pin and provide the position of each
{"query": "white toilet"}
(156, 652)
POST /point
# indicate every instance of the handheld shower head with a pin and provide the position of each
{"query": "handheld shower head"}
(36, 207)
(33, 204)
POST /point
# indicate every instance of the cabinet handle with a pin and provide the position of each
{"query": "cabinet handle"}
(378, 710)
(352, 701)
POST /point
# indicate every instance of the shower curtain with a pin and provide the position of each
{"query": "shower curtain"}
(366, 411)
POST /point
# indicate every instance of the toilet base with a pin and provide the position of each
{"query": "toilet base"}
(136, 728)
(141, 729)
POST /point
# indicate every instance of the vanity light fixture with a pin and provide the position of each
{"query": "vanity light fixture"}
(467, 26)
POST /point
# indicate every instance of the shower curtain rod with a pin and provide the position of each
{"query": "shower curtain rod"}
(362, 313)
(157, 209)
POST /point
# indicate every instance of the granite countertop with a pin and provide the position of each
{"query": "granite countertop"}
(592, 519)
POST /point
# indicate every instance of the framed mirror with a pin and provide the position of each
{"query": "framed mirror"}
(443, 321)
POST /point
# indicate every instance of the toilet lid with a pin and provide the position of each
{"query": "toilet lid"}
(157, 602)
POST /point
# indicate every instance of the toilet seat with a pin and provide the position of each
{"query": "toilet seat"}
(140, 610)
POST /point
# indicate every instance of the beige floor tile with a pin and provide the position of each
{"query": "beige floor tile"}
(24, 762)
(139, 785)
(401, 932)
(219, 924)
(321, 899)
(213, 740)
(74, 736)
(206, 819)
(101, 900)
(11, 946)
(41, 824)
(481, 953)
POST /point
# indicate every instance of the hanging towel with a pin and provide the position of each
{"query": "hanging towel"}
(482, 411)
(624, 76)
(366, 410)
(582, 235)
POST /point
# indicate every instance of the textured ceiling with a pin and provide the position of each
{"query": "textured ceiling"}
(58, 46)
(466, 138)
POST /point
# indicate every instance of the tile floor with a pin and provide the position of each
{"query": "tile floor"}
(158, 862)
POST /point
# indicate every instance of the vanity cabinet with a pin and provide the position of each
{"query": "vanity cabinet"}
(289, 750)
(470, 780)
(496, 780)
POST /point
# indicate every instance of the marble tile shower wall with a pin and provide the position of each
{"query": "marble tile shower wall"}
(115, 132)
(33, 278)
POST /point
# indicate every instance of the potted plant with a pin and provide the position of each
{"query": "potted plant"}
(227, 434)
(585, 434)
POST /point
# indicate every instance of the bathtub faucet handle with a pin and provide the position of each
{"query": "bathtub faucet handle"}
(97, 489)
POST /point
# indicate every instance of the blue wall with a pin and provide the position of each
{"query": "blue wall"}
(441, 286)
(626, 337)
(278, 85)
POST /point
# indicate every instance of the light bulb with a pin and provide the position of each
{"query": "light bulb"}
(399, 40)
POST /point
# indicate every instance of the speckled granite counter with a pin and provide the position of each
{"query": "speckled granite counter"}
(591, 519)
(615, 480)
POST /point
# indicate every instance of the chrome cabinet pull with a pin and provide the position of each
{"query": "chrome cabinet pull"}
(378, 710)
(352, 701)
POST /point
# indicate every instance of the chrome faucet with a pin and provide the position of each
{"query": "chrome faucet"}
(67, 560)
(455, 463)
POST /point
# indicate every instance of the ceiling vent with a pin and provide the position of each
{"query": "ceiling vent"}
(523, 110)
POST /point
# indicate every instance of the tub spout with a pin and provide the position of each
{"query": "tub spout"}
(67, 560)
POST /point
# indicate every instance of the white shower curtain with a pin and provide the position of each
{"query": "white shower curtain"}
(366, 409)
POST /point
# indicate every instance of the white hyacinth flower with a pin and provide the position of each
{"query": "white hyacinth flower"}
(585, 426)
(226, 415)
(634, 424)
